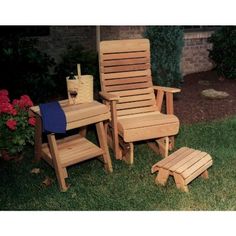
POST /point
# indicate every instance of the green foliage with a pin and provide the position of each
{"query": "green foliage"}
(16, 127)
(223, 52)
(166, 48)
(72, 56)
(24, 69)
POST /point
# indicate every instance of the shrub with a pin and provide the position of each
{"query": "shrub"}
(223, 51)
(16, 127)
(166, 48)
(24, 69)
(76, 55)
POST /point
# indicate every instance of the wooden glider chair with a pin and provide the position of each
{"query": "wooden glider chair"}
(126, 85)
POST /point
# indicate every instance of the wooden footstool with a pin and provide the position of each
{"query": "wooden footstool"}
(185, 165)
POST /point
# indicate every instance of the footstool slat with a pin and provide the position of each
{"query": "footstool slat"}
(189, 170)
(185, 165)
(198, 172)
(191, 161)
(172, 156)
(178, 158)
(182, 162)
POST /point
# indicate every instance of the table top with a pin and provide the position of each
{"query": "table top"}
(82, 114)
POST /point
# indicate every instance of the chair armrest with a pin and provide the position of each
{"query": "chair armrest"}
(111, 100)
(109, 97)
(167, 89)
(168, 92)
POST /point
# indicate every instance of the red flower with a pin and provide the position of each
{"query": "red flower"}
(4, 92)
(26, 101)
(6, 108)
(14, 112)
(11, 124)
(4, 96)
(23, 102)
(15, 102)
(32, 121)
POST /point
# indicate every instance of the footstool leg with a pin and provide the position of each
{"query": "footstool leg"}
(162, 176)
(180, 183)
(205, 175)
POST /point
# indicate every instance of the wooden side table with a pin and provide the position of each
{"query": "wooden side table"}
(76, 148)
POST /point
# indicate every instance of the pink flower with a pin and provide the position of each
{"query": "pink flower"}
(11, 124)
(32, 121)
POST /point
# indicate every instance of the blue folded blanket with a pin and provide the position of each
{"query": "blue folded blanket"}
(53, 117)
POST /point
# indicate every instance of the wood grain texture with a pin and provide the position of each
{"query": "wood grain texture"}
(76, 148)
(125, 71)
(185, 165)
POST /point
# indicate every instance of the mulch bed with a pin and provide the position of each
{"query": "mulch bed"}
(191, 107)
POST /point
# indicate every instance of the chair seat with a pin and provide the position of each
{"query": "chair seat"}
(147, 126)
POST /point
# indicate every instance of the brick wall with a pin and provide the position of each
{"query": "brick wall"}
(195, 53)
(121, 32)
(62, 36)
(194, 56)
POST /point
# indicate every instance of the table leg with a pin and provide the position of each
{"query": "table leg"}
(83, 131)
(61, 172)
(103, 144)
(38, 139)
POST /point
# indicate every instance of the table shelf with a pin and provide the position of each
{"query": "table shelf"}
(72, 151)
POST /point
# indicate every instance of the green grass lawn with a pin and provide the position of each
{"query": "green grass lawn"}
(129, 187)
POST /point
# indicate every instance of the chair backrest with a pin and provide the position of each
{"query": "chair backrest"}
(125, 71)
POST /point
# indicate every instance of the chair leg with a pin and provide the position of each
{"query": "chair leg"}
(154, 147)
(103, 145)
(171, 143)
(128, 156)
(163, 146)
(83, 131)
(110, 143)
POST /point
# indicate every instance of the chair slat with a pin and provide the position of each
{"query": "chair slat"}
(125, 55)
(126, 80)
(136, 111)
(124, 68)
(126, 46)
(128, 74)
(141, 97)
(134, 92)
(127, 86)
(125, 71)
(129, 61)
(126, 105)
